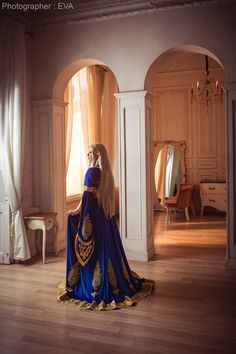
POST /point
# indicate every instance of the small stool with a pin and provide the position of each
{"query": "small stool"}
(44, 222)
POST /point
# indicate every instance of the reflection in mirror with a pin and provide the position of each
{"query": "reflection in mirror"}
(173, 171)
(169, 170)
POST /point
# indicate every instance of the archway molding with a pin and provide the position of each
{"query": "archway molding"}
(49, 149)
(230, 95)
(69, 71)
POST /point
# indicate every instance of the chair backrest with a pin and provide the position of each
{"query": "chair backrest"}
(184, 195)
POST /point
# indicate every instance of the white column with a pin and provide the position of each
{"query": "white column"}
(231, 175)
(49, 164)
(136, 212)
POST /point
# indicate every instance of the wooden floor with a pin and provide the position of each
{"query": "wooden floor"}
(192, 310)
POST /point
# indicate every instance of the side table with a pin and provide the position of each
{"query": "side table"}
(44, 222)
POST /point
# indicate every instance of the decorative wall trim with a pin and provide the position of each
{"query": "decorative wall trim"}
(188, 72)
(207, 164)
(49, 161)
(206, 176)
(135, 175)
(49, 102)
(91, 11)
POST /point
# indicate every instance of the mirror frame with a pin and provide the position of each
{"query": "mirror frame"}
(179, 145)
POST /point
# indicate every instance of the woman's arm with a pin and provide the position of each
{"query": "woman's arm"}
(76, 210)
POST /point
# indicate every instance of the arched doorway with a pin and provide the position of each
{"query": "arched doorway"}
(176, 118)
(50, 150)
(90, 117)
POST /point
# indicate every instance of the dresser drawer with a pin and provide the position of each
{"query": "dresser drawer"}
(217, 201)
(212, 188)
(214, 195)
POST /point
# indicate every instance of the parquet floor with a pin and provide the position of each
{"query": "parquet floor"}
(192, 310)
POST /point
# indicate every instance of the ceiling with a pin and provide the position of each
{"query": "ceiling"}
(54, 11)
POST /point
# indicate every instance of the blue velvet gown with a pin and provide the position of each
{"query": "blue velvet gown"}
(98, 275)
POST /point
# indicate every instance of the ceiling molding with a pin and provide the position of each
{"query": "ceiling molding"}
(71, 12)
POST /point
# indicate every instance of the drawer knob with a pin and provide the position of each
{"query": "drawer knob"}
(212, 188)
(212, 200)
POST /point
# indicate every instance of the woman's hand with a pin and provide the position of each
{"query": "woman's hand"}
(73, 212)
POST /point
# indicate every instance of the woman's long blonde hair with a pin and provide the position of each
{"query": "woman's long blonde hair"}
(106, 189)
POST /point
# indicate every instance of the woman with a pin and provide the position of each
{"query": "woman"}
(97, 272)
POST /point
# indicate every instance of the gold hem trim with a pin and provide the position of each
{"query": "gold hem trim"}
(63, 297)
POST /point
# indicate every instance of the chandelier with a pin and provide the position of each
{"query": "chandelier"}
(208, 90)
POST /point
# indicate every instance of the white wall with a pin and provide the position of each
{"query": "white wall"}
(130, 45)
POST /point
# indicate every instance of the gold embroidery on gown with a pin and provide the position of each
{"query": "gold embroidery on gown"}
(97, 279)
(125, 271)
(112, 278)
(126, 274)
(73, 276)
(87, 228)
(83, 250)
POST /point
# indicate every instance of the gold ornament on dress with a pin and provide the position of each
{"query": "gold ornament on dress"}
(112, 277)
(125, 271)
(97, 279)
(73, 276)
(126, 274)
(83, 250)
(87, 227)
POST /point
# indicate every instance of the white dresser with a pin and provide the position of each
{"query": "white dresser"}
(213, 194)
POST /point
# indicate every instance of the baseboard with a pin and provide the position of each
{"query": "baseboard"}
(33, 251)
(140, 256)
(61, 245)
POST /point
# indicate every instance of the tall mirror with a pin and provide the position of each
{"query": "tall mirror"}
(169, 170)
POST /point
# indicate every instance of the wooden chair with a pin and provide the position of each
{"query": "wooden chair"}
(182, 200)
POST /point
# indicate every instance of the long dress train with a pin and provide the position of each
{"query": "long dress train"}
(98, 275)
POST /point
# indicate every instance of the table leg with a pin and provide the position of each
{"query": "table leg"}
(44, 243)
(186, 213)
(202, 210)
(56, 229)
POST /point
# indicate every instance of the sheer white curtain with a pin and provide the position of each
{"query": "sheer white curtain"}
(76, 159)
(169, 171)
(160, 174)
(99, 117)
(12, 109)
(68, 120)
(109, 124)
(93, 111)
(176, 171)
(91, 93)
